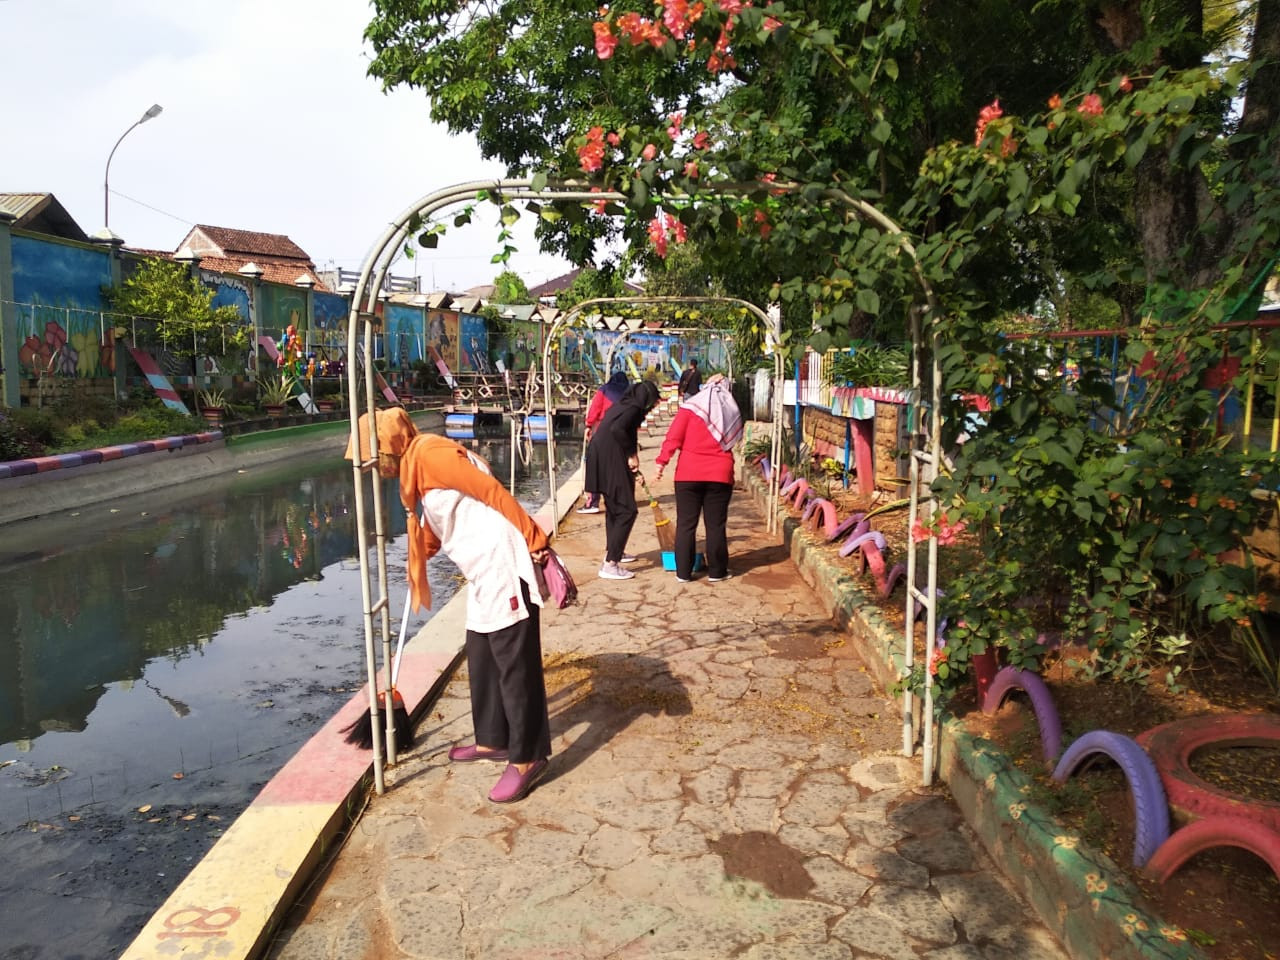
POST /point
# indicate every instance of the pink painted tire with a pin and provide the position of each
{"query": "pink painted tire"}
(1009, 679)
(1172, 744)
(1201, 835)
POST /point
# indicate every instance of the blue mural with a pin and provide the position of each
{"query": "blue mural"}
(403, 327)
(474, 345)
(60, 321)
(228, 291)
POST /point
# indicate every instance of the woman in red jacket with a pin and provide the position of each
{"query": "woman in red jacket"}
(609, 394)
(704, 430)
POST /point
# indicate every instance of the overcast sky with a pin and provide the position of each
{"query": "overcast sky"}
(269, 124)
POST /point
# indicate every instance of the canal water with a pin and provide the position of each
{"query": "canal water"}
(160, 660)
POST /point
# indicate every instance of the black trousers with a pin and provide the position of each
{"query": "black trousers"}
(619, 517)
(508, 693)
(709, 500)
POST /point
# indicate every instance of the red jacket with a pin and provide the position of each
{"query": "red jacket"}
(595, 412)
(700, 455)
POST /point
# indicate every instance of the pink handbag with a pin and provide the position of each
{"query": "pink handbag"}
(555, 582)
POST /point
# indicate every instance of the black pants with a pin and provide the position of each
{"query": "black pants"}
(508, 694)
(619, 517)
(711, 501)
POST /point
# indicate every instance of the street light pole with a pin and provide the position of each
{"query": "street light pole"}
(152, 111)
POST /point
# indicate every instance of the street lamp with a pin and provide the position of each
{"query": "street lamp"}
(152, 111)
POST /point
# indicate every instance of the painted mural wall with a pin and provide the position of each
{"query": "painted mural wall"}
(403, 328)
(474, 346)
(62, 328)
(442, 334)
(329, 314)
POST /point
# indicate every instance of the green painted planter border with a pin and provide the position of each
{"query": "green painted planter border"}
(1081, 895)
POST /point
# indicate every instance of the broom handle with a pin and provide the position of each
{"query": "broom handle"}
(404, 626)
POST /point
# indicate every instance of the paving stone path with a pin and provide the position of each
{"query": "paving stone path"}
(726, 783)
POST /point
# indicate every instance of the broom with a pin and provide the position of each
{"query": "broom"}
(662, 525)
(360, 732)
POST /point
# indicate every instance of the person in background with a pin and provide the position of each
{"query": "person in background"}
(455, 504)
(608, 394)
(612, 462)
(690, 381)
(704, 431)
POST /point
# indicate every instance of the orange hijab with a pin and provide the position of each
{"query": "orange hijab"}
(395, 431)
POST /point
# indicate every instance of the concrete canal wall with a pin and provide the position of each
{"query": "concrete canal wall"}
(46, 486)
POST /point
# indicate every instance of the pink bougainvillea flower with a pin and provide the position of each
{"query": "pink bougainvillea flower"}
(1008, 147)
(658, 236)
(691, 169)
(947, 532)
(766, 227)
(612, 139)
(771, 24)
(606, 42)
(677, 229)
(591, 153)
(731, 7)
(673, 130)
(675, 16)
(1125, 84)
(700, 140)
(601, 204)
(920, 533)
(649, 151)
(1055, 102)
(1091, 105)
(988, 113)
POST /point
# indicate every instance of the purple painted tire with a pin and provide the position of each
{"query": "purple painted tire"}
(1150, 810)
(1009, 679)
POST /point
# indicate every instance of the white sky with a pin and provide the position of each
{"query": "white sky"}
(270, 123)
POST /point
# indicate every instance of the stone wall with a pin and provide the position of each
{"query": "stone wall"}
(825, 433)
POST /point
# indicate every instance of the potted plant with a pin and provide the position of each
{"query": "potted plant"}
(274, 392)
(213, 404)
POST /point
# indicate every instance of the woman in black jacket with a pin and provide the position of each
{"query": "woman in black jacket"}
(612, 462)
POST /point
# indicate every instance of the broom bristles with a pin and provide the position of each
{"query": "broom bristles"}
(662, 526)
(360, 731)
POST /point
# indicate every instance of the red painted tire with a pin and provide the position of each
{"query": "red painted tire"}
(1171, 745)
(1150, 809)
(1009, 679)
(1201, 835)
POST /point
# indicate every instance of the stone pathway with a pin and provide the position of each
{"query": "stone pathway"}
(726, 783)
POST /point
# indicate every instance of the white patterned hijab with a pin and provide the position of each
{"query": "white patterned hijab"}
(714, 406)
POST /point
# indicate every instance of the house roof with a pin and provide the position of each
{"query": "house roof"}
(228, 242)
(42, 213)
(227, 250)
(548, 290)
(274, 272)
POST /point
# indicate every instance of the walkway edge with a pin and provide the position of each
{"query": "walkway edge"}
(231, 902)
(1085, 900)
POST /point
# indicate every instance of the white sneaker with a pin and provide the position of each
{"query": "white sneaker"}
(627, 558)
(588, 509)
(680, 579)
(614, 571)
(720, 579)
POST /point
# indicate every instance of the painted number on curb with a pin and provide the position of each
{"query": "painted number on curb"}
(199, 922)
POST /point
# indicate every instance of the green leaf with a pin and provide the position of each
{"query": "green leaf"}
(539, 181)
(863, 13)
(868, 301)
(882, 131)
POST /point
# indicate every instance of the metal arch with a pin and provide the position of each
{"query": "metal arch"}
(566, 320)
(519, 189)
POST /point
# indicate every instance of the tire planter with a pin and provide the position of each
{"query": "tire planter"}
(1009, 679)
(1150, 809)
(1171, 745)
(1211, 832)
